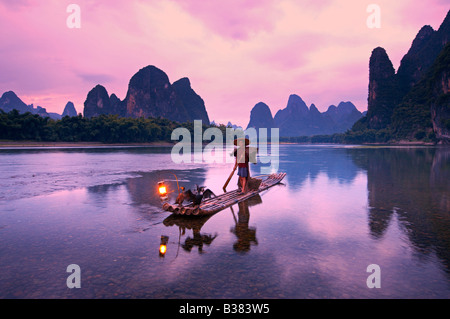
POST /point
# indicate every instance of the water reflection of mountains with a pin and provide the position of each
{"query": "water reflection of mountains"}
(413, 184)
(308, 162)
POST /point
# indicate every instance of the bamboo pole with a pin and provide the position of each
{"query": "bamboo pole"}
(229, 178)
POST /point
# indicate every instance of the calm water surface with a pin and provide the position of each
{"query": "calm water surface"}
(339, 210)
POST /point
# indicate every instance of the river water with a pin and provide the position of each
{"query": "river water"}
(338, 210)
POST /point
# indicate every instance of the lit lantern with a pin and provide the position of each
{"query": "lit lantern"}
(163, 245)
(162, 189)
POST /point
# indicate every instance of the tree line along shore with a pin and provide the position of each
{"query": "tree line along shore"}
(31, 129)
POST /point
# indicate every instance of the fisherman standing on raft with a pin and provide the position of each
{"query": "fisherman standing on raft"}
(242, 154)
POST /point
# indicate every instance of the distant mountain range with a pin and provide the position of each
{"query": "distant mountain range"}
(150, 94)
(297, 119)
(10, 101)
(228, 125)
(414, 102)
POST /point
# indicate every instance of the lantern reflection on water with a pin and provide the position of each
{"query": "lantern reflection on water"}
(163, 245)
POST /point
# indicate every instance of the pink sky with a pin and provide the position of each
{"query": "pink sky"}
(236, 52)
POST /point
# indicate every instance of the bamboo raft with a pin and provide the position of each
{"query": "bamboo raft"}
(215, 204)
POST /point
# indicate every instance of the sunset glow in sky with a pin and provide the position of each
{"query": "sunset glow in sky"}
(235, 52)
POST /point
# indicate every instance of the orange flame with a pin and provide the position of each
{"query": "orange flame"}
(162, 190)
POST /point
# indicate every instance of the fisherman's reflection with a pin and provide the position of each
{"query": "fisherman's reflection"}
(198, 240)
(196, 223)
(246, 236)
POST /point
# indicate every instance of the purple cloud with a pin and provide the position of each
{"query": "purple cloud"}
(235, 19)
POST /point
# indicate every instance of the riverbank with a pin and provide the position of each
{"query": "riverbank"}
(403, 143)
(79, 144)
(6, 144)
